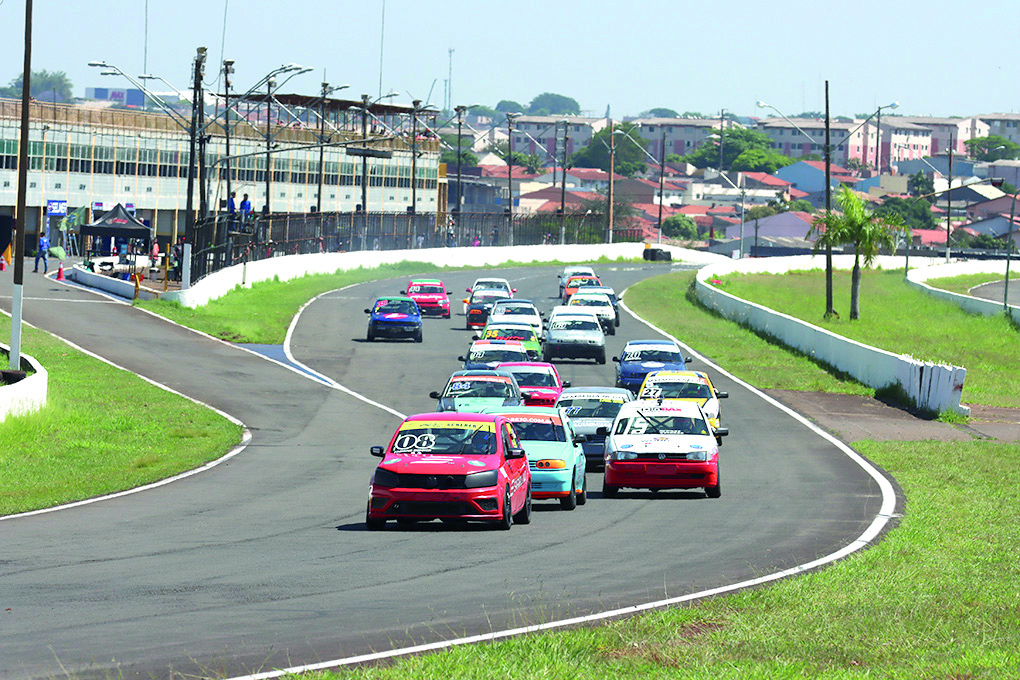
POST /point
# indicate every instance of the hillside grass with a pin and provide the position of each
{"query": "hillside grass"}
(964, 282)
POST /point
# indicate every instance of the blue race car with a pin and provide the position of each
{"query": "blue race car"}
(640, 357)
(394, 317)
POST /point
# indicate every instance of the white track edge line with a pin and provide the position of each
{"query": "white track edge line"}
(246, 437)
(866, 538)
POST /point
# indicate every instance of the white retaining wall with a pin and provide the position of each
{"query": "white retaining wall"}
(27, 396)
(120, 287)
(289, 267)
(974, 305)
(936, 387)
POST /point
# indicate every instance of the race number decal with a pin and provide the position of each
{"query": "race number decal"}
(632, 355)
(415, 442)
(651, 392)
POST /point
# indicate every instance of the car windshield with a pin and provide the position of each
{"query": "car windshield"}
(677, 390)
(666, 356)
(395, 307)
(516, 311)
(592, 407)
(498, 333)
(658, 423)
(425, 289)
(490, 296)
(537, 429)
(444, 438)
(590, 301)
(497, 354)
(490, 283)
(582, 283)
(574, 324)
(530, 377)
(466, 387)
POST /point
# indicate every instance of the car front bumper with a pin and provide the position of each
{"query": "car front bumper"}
(550, 483)
(469, 504)
(654, 474)
(395, 330)
(571, 350)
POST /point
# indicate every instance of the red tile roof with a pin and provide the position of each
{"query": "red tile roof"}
(833, 168)
(501, 171)
(766, 178)
(797, 193)
(931, 236)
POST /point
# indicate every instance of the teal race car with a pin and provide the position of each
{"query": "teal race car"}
(554, 451)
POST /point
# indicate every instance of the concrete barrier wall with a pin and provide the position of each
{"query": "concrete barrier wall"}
(27, 396)
(289, 267)
(936, 387)
(994, 268)
(119, 287)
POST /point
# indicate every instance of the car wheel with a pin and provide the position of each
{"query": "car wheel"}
(546, 357)
(609, 491)
(373, 524)
(507, 520)
(617, 321)
(446, 316)
(570, 501)
(714, 491)
(524, 516)
(582, 497)
(417, 337)
(612, 329)
(601, 359)
(371, 335)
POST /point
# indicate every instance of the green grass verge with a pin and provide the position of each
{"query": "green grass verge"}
(102, 430)
(262, 313)
(668, 302)
(900, 319)
(963, 283)
(937, 598)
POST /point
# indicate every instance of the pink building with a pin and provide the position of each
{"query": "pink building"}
(544, 135)
(901, 141)
(846, 143)
(959, 130)
(683, 135)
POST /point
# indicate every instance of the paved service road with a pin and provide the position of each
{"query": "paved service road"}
(993, 291)
(264, 561)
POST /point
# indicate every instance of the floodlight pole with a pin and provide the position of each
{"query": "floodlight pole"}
(19, 223)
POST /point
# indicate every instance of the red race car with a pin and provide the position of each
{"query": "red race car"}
(431, 296)
(453, 467)
(540, 382)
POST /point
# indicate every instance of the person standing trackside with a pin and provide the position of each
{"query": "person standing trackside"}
(245, 209)
(44, 253)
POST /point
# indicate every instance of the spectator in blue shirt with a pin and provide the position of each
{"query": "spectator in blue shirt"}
(44, 253)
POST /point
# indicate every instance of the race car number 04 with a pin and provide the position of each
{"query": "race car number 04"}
(415, 442)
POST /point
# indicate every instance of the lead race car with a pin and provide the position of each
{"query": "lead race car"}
(394, 317)
(453, 467)
(430, 296)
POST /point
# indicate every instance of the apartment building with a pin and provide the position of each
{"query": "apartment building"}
(946, 131)
(1003, 124)
(544, 135)
(682, 135)
(848, 140)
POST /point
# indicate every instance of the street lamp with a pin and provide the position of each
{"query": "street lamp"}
(510, 118)
(366, 103)
(326, 91)
(878, 134)
(460, 111)
(1009, 251)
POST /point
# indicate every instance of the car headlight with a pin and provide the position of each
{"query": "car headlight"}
(620, 455)
(551, 464)
(480, 480)
(697, 455)
(387, 478)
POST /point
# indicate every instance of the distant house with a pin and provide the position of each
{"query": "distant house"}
(809, 176)
(995, 226)
(995, 206)
(792, 224)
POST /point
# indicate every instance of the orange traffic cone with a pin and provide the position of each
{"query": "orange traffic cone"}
(60, 272)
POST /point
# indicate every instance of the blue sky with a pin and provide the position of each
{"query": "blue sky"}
(934, 58)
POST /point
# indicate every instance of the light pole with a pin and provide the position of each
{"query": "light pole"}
(510, 117)
(228, 68)
(460, 110)
(19, 225)
(878, 135)
(722, 138)
(1009, 251)
(326, 91)
(563, 186)
(366, 103)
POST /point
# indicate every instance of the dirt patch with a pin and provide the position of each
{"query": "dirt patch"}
(853, 417)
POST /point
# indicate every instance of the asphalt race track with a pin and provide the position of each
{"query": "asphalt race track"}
(994, 291)
(264, 561)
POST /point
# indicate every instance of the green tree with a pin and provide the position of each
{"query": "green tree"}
(509, 106)
(915, 214)
(449, 156)
(42, 81)
(859, 227)
(760, 160)
(680, 227)
(484, 111)
(919, 184)
(991, 148)
(551, 104)
(735, 142)
(855, 165)
(660, 112)
(630, 155)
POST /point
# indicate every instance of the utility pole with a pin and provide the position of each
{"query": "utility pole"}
(662, 181)
(563, 187)
(612, 175)
(19, 224)
(460, 190)
(270, 84)
(510, 177)
(449, 81)
(322, 149)
(416, 104)
(189, 223)
(949, 201)
(364, 158)
(829, 311)
(722, 118)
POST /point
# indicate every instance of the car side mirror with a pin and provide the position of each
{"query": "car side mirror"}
(467, 290)
(616, 359)
(401, 292)
(477, 335)
(565, 383)
(434, 395)
(513, 290)
(722, 431)
(722, 395)
(466, 300)
(515, 453)
(368, 311)
(580, 438)
(688, 360)
(461, 358)
(376, 451)
(602, 431)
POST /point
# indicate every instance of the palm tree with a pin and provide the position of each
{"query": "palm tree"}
(859, 227)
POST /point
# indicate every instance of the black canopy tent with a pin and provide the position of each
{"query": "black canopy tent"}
(117, 223)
